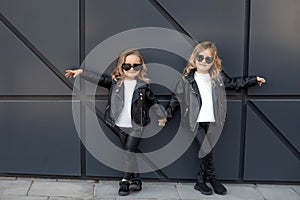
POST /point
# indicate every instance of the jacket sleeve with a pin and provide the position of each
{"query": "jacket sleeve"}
(102, 80)
(157, 108)
(237, 83)
(176, 99)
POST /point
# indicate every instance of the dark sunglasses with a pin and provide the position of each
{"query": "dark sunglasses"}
(136, 67)
(208, 59)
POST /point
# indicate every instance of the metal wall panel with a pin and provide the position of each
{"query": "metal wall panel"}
(272, 141)
(22, 73)
(51, 26)
(38, 137)
(228, 149)
(274, 45)
(107, 18)
(222, 22)
(270, 154)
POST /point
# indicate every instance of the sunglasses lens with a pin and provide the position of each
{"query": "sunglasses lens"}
(209, 60)
(137, 67)
(126, 67)
(200, 58)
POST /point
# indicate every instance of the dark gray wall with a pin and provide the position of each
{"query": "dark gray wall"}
(260, 141)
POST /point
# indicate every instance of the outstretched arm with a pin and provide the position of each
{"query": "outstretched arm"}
(237, 83)
(101, 80)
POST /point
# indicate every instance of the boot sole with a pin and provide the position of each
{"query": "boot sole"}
(203, 192)
(123, 194)
(221, 193)
(135, 188)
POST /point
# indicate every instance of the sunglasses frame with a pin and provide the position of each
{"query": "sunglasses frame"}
(208, 59)
(136, 67)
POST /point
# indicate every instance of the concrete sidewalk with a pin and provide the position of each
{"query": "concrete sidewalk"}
(12, 188)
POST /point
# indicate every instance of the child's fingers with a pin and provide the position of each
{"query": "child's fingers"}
(260, 81)
(161, 122)
(69, 74)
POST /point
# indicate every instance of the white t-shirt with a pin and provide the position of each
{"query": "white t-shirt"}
(124, 119)
(206, 113)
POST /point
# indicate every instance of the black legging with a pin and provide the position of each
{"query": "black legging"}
(207, 168)
(130, 144)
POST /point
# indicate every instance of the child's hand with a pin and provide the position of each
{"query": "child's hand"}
(260, 80)
(162, 122)
(73, 73)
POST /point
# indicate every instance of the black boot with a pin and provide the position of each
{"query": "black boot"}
(136, 184)
(201, 185)
(124, 188)
(218, 187)
(211, 175)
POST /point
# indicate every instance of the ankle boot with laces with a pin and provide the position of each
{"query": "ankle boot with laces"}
(201, 185)
(136, 184)
(218, 187)
(124, 188)
(211, 175)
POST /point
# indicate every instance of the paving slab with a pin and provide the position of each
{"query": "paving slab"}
(156, 191)
(77, 180)
(5, 197)
(70, 198)
(14, 187)
(7, 178)
(61, 189)
(277, 192)
(106, 189)
(234, 192)
(36, 179)
(149, 191)
(296, 188)
(71, 189)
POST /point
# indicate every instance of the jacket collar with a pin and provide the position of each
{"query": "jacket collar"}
(191, 80)
(139, 83)
(190, 77)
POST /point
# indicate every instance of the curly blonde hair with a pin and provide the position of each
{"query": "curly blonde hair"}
(217, 65)
(118, 72)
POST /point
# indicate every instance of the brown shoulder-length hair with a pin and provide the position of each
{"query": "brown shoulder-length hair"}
(118, 72)
(217, 65)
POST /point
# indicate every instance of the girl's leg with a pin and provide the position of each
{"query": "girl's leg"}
(207, 163)
(211, 174)
(201, 176)
(131, 146)
(124, 183)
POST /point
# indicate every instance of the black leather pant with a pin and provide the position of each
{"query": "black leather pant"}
(207, 168)
(130, 139)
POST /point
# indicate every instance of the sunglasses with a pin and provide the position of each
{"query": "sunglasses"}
(208, 59)
(136, 67)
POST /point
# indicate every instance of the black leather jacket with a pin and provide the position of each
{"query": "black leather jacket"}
(187, 94)
(142, 100)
